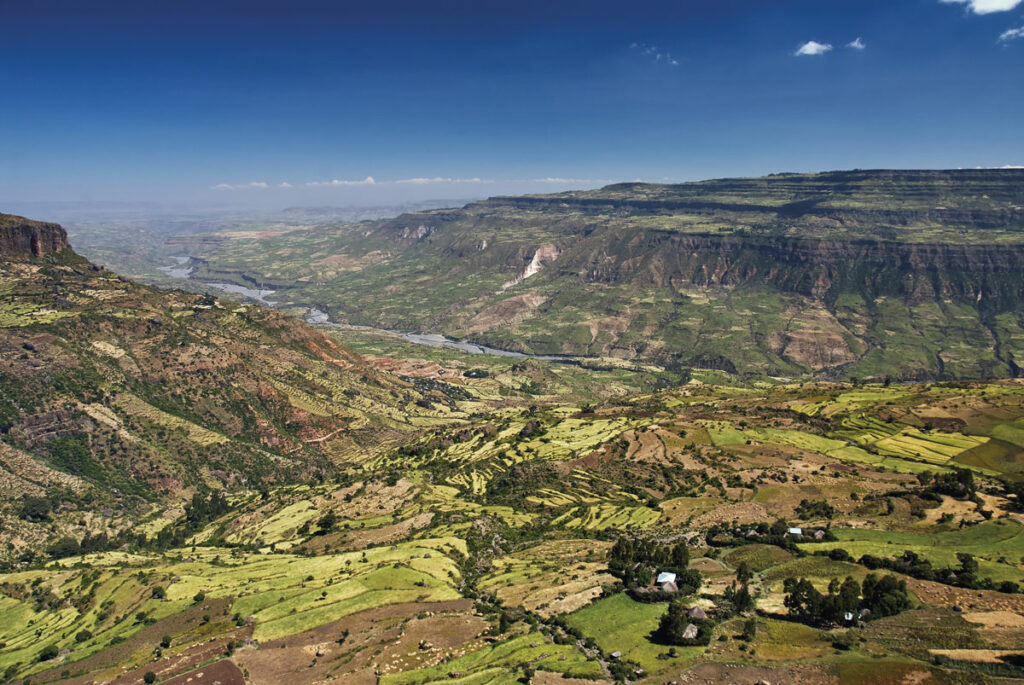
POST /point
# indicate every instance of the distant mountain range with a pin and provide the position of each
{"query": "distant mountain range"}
(909, 274)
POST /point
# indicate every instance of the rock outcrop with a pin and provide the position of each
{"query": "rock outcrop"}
(22, 238)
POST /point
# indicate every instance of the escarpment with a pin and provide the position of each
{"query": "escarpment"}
(913, 274)
(988, 276)
(22, 238)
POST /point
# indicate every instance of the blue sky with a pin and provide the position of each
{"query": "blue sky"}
(283, 103)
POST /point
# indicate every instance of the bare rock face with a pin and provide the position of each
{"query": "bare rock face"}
(22, 238)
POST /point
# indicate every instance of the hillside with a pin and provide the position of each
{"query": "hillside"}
(909, 274)
(116, 396)
(196, 490)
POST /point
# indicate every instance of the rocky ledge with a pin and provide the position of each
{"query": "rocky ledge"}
(22, 238)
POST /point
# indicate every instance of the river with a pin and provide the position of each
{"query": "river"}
(181, 270)
(316, 316)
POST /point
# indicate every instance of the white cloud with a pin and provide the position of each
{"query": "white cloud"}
(1012, 166)
(368, 181)
(656, 55)
(986, 6)
(1011, 34)
(857, 44)
(812, 47)
(241, 186)
(284, 184)
(438, 179)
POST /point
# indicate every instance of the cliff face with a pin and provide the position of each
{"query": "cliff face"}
(985, 276)
(873, 273)
(22, 238)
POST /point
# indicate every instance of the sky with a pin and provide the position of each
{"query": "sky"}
(301, 102)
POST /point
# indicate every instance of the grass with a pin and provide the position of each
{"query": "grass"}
(988, 542)
(618, 624)
(604, 516)
(497, 663)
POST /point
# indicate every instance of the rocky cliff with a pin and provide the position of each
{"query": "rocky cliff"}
(868, 273)
(22, 238)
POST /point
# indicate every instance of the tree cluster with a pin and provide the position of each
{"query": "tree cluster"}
(674, 627)
(965, 575)
(959, 484)
(885, 596)
(635, 561)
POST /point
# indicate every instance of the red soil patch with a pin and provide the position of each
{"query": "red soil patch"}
(223, 672)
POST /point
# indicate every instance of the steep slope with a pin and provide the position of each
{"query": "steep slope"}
(913, 274)
(113, 395)
(21, 237)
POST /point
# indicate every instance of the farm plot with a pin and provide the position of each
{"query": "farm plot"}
(137, 407)
(849, 402)
(618, 624)
(550, 578)
(118, 599)
(603, 516)
(498, 663)
(287, 594)
(988, 542)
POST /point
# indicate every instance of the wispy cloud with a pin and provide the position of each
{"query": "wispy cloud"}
(1011, 34)
(241, 186)
(986, 6)
(420, 180)
(368, 181)
(857, 44)
(563, 181)
(811, 48)
(438, 179)
(656, 55)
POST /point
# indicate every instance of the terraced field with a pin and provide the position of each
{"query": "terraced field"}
(474, 544)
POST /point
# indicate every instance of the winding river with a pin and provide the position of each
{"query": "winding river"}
(181, 270)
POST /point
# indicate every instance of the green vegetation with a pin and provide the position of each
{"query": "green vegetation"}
(193, 485)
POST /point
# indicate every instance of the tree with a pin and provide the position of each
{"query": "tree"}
(885, 596)
(680, 555)
(327, 523)
(749, 630)
(83, 636)
(149, 677)
(743, 573)
(742, 599)
(48, 652)
(802, 599)
(968, 564)
(65, 547)
(35, 508)
(159, 592)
